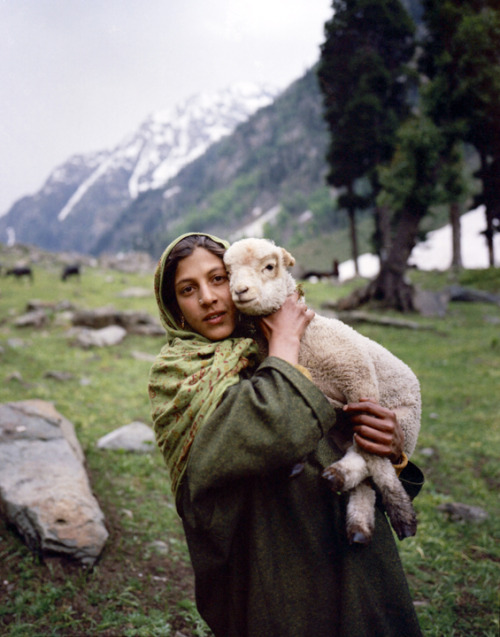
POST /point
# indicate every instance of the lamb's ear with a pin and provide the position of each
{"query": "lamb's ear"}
(288, 260)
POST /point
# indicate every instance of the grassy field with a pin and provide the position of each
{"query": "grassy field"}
(142, 585)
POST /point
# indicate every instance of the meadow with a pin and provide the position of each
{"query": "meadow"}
(142, 585)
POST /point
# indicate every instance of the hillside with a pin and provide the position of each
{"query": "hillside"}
(276, 158)
(84, 197)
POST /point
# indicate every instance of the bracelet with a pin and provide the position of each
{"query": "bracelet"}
(401, 464)
(304, 371)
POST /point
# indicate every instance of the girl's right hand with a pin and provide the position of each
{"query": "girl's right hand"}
(284, 328)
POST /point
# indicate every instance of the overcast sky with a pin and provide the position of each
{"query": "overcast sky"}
(79, 75)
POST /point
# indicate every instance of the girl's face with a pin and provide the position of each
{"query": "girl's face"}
(202, 292)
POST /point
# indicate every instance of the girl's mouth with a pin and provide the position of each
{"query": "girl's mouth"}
(215, 318)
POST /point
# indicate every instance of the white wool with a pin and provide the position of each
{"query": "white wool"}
(343, 363)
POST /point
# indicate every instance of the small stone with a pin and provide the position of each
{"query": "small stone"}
(458, 512)
(60, 376)
(136, 437)
(427, 451)
(160, 547)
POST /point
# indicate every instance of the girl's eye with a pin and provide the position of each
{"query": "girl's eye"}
(187, 290)
(220, 278)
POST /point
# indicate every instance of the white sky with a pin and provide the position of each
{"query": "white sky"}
(79, 75)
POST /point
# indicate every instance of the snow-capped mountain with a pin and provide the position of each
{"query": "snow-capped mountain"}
(84, 197)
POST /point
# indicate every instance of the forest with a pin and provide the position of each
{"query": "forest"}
(404, 106)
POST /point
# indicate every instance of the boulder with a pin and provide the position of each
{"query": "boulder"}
(44, 488)
(136, 437)
(35, 318)
(430, 304)
(470, 295)
(104, 337)
(132, 321)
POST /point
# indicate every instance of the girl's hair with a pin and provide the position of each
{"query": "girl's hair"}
(184, 249)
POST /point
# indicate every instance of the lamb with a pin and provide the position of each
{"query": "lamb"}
(346, 366)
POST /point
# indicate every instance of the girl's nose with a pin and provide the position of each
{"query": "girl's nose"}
(206, 297)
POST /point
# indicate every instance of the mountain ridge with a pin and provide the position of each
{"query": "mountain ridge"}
(86, 195)
(275, 158)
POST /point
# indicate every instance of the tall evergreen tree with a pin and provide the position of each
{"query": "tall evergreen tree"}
(364, 81)
(411, 184)
(462, 59)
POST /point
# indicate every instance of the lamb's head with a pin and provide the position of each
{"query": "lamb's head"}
(258, 278)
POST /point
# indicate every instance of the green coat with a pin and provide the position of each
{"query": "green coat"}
(269, 551)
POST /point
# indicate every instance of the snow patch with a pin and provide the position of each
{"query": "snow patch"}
(83, 188)
(256, 228)
(435, 253)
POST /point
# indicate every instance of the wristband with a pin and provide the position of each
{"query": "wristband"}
(401, 464)
(304, 371)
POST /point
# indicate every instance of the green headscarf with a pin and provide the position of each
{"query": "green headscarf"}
(188, 378)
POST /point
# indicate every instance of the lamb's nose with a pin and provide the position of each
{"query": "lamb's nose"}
(241, 291)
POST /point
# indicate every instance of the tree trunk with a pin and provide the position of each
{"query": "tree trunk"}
(489, 237)
(489, 197)
(383, 221)
(456, 238)
(389, 288)
(353, 230)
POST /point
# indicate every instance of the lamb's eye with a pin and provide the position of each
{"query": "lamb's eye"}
(269, 267)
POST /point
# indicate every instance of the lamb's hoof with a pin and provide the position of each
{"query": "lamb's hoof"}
(334, 477)
(404, 523)
(401, 513)
(405, 529)
(359, 538)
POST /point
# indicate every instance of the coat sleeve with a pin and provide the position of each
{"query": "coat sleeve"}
(270, 421)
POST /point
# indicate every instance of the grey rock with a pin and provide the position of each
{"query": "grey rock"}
(104, 337)
(136, 293)
(429, 303)
(458, 512)
(427, 451)
(159, 547)
(15, 377)
(143, 356)
(470, 295)
(44, 488)
(136, 437)
(16, 343)
(35, 318)
(132, 321)
(60, 376)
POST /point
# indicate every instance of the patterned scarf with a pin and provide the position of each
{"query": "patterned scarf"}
(188, 379)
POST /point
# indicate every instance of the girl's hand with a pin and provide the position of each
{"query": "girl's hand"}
(376, 429)
(284, 328)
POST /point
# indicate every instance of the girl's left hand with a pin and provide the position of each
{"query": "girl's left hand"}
(376, 429)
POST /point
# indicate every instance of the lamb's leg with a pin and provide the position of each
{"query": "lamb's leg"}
(361, 514)
(396, 501)
(347, 473)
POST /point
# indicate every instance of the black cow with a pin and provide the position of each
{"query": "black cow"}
(70, 270)
(20, 271)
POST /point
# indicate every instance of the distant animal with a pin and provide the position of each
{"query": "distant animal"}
(322, 274)
(70, 270)
(346, 366)
(19, 272)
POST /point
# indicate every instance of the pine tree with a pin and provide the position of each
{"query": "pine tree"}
(462, 60)
(365, 86)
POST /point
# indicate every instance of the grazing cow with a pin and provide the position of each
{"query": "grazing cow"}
(19, 272)
(70, 270)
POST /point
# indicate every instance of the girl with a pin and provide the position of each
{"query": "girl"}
(245, 441)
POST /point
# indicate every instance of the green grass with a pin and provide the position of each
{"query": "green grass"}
(137, 588)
